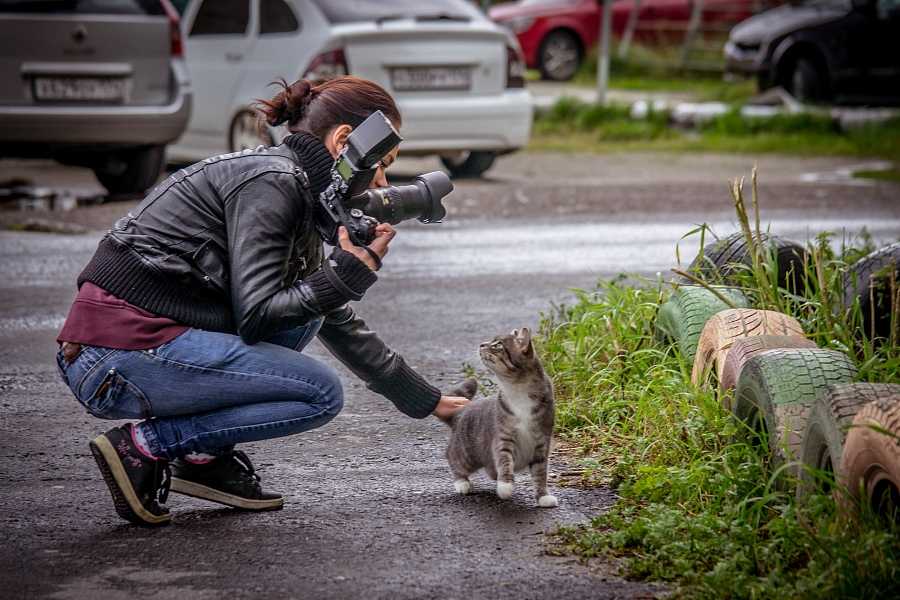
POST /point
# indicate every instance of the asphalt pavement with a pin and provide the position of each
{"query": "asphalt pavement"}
(370, 510)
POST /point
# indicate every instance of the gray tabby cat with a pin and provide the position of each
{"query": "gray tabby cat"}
(510, 431)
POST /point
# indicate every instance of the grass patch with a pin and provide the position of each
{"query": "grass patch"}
(572, 125)
(892, 174)
(713, 517)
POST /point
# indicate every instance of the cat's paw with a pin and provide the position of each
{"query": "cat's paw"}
(505, 490)
(547, 501)
(463, 486)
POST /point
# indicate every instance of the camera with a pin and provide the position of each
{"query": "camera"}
(347, 200)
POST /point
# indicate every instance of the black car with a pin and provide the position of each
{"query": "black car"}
(843, 51)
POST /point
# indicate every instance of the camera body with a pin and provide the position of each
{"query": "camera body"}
(348, 201)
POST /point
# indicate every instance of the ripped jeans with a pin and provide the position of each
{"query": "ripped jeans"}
(205, 391)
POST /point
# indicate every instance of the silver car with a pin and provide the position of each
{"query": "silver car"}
(457, 77)
(94, 83)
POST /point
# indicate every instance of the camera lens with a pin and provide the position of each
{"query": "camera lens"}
(420, 200)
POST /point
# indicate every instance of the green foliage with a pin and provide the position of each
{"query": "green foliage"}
(574, 125)
(713, 517)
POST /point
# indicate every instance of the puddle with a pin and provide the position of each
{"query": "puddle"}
(846, 175)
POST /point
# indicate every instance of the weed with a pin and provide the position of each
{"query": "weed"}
(713, 516)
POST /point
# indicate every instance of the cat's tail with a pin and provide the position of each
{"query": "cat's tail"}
(467, 389)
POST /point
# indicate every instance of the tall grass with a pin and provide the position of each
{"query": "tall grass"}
(715, 519)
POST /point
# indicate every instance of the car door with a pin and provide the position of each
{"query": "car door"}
(281, 46)
(219, 39)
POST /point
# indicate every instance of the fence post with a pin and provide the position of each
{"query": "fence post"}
(603, 54)
(696, 14)
(625, 44)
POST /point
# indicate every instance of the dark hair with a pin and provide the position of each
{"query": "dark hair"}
(304, 106)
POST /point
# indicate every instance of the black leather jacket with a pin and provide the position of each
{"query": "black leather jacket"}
(229, 244)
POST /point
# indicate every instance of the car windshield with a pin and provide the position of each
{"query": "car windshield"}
(103, 7)
(348, 11)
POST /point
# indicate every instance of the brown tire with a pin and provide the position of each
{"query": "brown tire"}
(870, 461)
(827, 426)
(776, 390)
(744, 349)
(726, 327)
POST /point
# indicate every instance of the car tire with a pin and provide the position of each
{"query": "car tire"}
(775, 391)
(559, 56)
(248, 130)
(726, 327)
(682, 318)
(469, 164)
(721, 261)
(807, 82)
(827, 426)
(130, 172)
(744, 349)
(867, 281)
(870, 460)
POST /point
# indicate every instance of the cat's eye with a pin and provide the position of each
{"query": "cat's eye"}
(498, 346)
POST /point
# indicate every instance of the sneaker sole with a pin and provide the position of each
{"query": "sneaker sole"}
(189, 488)
(124, 497)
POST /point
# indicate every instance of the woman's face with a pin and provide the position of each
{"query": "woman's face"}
(380, 179)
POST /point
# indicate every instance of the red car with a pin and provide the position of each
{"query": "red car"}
(556, 34)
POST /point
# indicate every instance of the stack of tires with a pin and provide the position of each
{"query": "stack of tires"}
(783, 390)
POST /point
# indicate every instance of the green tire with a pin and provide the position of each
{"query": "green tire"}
(775, 391)
(682, 318)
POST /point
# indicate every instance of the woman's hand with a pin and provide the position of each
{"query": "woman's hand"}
(384, 233)
(449, 405)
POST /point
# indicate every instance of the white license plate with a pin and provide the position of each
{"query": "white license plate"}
(431, 78)
(79, 88)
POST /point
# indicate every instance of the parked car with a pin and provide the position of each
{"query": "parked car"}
(555, 35)
(93, 83)
(457, 77)
(819, 50)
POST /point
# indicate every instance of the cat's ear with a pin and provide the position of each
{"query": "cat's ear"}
(524, 340)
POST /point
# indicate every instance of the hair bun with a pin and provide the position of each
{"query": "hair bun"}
(289, 104)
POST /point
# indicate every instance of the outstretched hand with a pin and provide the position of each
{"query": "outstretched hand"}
(448, 405)
(384, 233)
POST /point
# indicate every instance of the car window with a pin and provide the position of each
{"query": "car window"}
(103, 7)
(346, 11)
(275, 16)
(217, 17)
(887, 4)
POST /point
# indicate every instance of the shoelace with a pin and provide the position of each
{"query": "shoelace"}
(247, 466)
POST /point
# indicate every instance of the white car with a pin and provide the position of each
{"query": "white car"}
(457, 77)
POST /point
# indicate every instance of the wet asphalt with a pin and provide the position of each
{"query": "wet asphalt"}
(370, 510)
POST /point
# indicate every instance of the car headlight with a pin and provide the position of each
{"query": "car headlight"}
(520, 24)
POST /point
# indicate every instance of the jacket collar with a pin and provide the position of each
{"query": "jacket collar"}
(315, 159)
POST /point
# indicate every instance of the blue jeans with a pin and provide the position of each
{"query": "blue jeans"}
(204, 391)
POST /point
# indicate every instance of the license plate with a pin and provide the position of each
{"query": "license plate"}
(431, 78)
(79, 88)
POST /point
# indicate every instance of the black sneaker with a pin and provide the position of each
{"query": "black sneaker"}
(229, 479)
(135, 479)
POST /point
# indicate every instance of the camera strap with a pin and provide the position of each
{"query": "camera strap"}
(374, 256)
(337, 282)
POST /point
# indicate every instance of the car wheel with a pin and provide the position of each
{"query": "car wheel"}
(130, 171)
(248, 130)
(807, 82)
(559, 56)
(470, 163)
